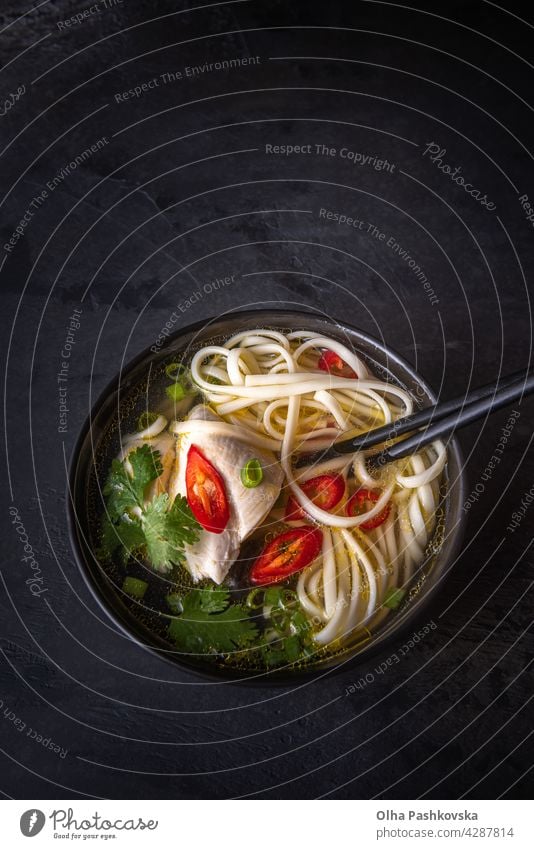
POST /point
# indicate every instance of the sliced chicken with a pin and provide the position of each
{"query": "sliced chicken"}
(213, 554)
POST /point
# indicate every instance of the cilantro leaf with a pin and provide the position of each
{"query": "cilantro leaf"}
(198, 631)
(146, 464)
(166, 530)
(124, 492)
(209, 624)
(125, 537)
(210, 599)
(181, 524)
(159, 530)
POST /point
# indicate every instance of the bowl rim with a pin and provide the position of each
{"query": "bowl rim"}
(277, 677)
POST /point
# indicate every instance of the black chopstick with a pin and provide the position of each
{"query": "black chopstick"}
(446, 426)
(424, 417)
(442, 420)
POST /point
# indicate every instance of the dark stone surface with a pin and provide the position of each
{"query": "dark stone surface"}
(182, 192)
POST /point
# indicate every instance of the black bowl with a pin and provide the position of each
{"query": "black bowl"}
(106, 415)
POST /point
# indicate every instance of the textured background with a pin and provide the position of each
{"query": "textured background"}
(180, 193)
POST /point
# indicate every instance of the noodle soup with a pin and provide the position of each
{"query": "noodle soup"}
(225, 549)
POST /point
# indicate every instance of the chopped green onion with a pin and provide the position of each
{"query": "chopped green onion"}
(394, 597)
(272, 596)
(175, 370)
(134, 587)
(300, 624)
(175, 392)
(292, 648)
(255, 599)
(145, 420)
(288, 598)
(175, 603)
(280, 621)
(274, 657)
(251, 473)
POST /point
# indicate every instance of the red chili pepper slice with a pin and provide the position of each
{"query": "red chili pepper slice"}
(206, 493)
(331, 362)
(356, 505)
(289, 552)
(324, 490)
